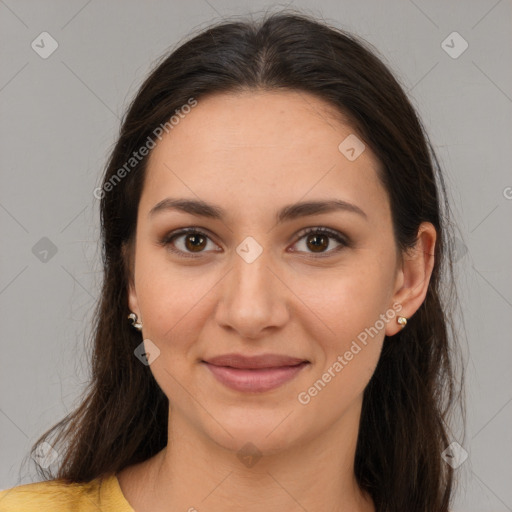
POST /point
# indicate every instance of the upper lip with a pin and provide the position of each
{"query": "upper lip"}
(254, 362)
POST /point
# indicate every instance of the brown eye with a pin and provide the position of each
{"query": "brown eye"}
(318, 240)
(187, 242)
(195, 242)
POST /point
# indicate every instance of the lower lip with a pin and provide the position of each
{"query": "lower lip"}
(263, 379)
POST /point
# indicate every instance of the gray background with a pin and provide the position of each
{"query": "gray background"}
(60, 117)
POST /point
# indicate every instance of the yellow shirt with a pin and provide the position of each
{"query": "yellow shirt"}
(56, 496)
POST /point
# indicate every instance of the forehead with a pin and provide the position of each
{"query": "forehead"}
(253, 149)
(256, 121)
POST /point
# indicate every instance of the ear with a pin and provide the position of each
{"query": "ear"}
(413, 279)
(128, 258)
(132, 300)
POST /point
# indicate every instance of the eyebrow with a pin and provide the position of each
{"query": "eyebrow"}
(287, 213)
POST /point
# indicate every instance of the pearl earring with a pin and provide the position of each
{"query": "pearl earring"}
(402, 321)
(133, 318)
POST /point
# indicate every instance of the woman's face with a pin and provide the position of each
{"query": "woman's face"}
(251, 282)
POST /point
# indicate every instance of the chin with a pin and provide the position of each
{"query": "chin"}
(264, 432)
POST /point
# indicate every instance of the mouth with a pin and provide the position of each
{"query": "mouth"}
(254, 374)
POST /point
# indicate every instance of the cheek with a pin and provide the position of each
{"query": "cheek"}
(347, 300)
(352, 304)
(173, 307)
(348, 355)
(172, 300)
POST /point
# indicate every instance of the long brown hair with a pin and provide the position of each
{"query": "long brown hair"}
(404, 428)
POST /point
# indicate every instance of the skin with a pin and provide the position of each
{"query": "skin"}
(252, 153)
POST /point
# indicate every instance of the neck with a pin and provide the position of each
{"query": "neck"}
(193, 473)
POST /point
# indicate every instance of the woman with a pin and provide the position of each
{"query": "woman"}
(272, 333)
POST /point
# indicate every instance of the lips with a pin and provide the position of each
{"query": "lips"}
(254, 362)
(254, 373)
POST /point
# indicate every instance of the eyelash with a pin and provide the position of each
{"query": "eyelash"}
(167, 240)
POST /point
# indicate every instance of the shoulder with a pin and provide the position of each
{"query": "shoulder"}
(52, 495)
(61, 496)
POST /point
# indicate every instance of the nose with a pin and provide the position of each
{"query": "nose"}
(253, 298)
